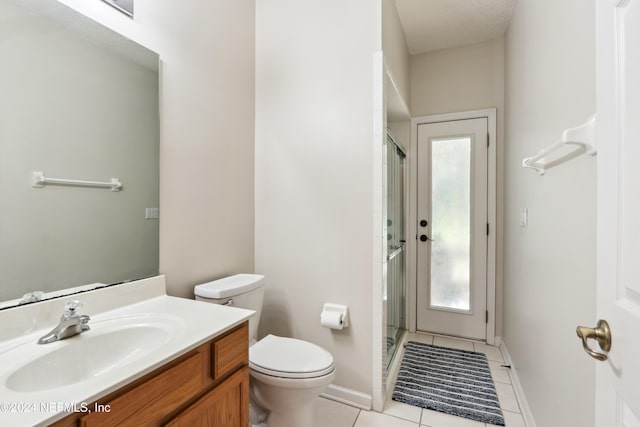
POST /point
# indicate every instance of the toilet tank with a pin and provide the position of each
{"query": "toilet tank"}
(240, 290)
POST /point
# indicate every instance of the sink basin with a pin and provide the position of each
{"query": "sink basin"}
(108, 345)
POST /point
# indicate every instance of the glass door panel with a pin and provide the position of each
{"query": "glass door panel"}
(395, 283)
(450, 223)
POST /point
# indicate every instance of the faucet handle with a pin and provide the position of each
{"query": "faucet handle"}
(70, 307)
(31, 297)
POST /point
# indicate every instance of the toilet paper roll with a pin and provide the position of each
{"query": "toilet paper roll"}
(331, 319)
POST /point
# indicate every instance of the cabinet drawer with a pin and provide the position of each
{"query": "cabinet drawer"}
(230, 352)
(153, 400)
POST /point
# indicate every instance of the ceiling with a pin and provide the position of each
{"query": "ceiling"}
(439, 24)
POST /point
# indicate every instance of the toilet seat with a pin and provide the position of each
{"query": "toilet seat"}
(289, 358)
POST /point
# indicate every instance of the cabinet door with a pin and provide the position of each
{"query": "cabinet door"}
(227, 405)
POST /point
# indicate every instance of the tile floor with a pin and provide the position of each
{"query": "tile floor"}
(332, 414)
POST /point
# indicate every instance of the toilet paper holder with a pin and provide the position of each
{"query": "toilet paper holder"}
(330, 311)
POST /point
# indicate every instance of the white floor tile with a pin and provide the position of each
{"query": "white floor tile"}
(492, 352)
(512, 419)
(453, 343)
(375, 419)
(402, 413)
(439, 419)
(507, 397)
(499, 373)
(419, 337)
(328, 413)
(402, 410)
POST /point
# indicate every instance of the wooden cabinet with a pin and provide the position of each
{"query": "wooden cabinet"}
(222, 406)
(209, 386)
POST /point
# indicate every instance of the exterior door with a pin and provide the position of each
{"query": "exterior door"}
(452, 228)
(618, 140)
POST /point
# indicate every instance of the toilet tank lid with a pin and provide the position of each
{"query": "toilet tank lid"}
(229, 286)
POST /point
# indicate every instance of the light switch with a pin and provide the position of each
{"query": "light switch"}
(152, 213)
(524, 217)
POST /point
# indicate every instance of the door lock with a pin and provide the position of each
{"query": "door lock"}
(423, 223)
(424, 238)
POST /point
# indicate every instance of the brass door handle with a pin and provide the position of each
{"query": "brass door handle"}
(601, 333)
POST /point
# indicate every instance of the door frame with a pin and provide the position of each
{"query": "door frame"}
(412, 271)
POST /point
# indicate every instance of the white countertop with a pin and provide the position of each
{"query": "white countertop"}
(194, 323)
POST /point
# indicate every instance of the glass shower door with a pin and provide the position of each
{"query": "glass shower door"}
(395, 283)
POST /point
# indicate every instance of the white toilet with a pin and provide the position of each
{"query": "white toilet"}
(286, 373)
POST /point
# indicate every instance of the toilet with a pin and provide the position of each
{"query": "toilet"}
(286, 373)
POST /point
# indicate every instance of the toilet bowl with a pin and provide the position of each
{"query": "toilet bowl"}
(286, 374)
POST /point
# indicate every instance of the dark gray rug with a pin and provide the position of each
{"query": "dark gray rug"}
(455, 382)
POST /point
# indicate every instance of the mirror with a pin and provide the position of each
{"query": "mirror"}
(124, 6)
(79, 102)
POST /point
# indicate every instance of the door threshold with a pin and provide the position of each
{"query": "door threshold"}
(453, 337)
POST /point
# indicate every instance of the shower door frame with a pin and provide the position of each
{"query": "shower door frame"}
(412, 234)
(402, 248)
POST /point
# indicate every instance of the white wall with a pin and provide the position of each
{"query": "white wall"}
(462, 79)
(206, 134)
(314, 173)
(549, 269)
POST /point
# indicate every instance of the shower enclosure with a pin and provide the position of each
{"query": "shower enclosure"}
(395, 283)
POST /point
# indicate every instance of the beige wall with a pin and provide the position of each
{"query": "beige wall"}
(458, 79)
(207, 140)
(396, 52)
(463, 79)
(549, 269)
(314, 173)
(207, 131)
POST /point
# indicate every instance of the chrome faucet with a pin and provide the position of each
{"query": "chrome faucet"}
(70, 324)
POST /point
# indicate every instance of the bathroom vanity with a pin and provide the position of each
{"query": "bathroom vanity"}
(207, 386)
(148, 359)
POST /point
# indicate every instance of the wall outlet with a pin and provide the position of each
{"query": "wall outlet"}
(524, 217)
(152, 213)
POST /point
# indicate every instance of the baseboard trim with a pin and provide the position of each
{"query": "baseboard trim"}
(348, 397)
(517, 387)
